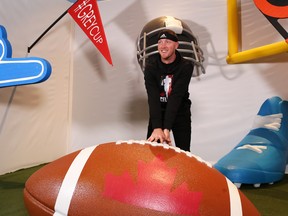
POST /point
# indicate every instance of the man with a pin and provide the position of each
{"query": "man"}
(167, 76)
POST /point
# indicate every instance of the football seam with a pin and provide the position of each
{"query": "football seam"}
(36, 202)
(165, 146)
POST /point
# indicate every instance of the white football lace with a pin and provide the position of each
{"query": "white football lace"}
(165, 146)
(272, 122)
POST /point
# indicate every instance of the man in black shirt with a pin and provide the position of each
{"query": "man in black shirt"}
(167, 76)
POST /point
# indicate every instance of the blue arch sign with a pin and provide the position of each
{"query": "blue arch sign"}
(20, 71)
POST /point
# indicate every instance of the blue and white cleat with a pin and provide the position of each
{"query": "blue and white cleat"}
(262, 155)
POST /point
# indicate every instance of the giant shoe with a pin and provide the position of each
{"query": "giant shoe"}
(262, 155)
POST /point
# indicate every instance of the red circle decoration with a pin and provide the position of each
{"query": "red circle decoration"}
(271, 10)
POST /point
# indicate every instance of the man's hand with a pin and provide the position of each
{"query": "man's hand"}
(157, 135)
(160, 135)
(167, 136)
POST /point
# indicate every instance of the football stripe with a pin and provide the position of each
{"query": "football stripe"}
(70, 181)
(235, 201)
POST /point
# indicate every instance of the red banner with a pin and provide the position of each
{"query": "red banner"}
(86, 14)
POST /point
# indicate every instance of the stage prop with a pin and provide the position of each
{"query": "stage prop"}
(133, 178)
(262, 155)
(87, 15)
(20, 71)
(273, 10)
(188, 43)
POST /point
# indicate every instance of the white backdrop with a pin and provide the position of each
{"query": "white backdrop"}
(34, 119)
(86, 101)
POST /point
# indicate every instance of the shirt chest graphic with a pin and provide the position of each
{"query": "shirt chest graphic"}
(166, 87)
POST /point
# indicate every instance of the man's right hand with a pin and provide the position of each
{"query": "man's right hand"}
(160, 135)
(167, 136)
(157, 135)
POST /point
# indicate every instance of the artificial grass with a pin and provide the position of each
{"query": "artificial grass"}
(270, 200)
(11, 192)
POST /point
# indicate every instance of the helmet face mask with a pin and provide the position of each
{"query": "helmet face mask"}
(147, 42)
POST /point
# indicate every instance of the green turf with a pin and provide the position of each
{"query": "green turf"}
(11, 192)
(270, 200)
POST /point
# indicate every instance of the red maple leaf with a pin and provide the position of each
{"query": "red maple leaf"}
(153, 189)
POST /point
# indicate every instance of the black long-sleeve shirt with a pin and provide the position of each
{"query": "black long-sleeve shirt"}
(167, 89)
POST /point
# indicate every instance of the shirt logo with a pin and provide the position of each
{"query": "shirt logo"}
(166, 86)
(163, 36)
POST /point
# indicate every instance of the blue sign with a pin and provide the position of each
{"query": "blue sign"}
(20, 71)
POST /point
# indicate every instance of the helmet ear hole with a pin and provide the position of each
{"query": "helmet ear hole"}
(188, 43)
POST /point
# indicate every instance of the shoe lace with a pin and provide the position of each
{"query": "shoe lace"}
(272, 122)
(256, 148)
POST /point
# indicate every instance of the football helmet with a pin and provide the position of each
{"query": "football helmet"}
(188, 44)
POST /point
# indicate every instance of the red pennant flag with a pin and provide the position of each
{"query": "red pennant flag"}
(86, 14)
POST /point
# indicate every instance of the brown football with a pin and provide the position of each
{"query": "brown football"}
(133, 178)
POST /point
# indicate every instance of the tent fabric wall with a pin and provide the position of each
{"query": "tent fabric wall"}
(34, 119)
(86, 101)
(225, 99)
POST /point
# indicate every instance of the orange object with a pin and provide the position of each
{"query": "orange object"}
(133, 178)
